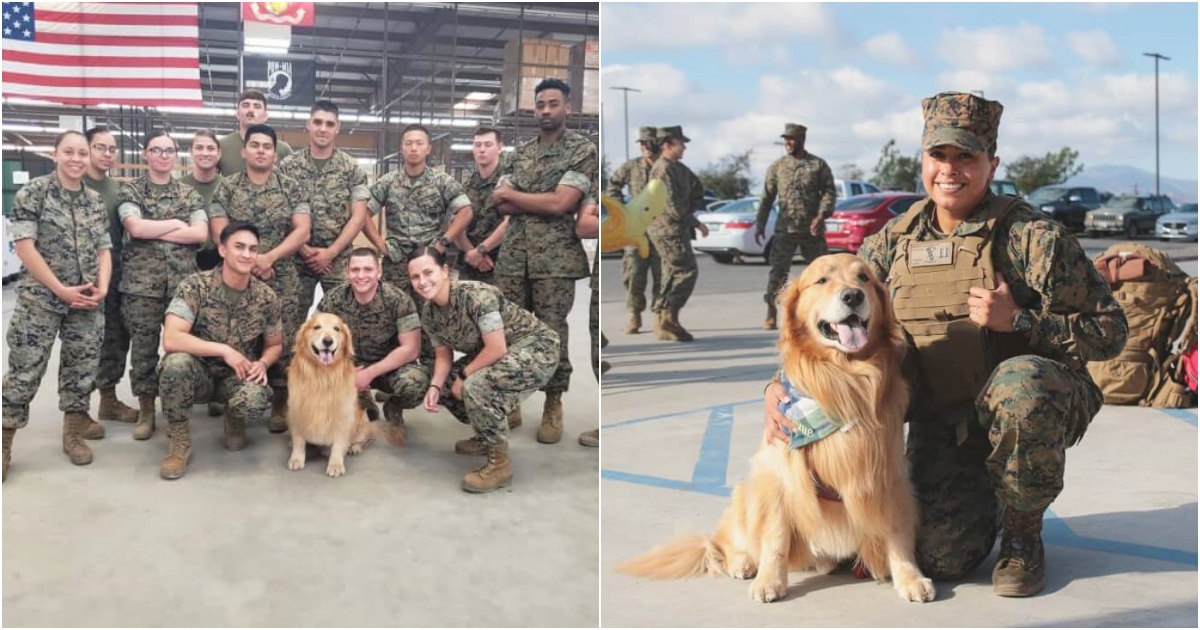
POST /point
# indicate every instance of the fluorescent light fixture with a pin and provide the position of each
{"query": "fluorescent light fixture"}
(480, 96)
(460, 147)
(39, 148)
(18, 128)
(466, 105)
(366, 161)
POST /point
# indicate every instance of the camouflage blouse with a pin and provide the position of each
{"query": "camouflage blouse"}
(474, 310)
(416, 210)
(269, 207)
(331, 190)
(154, 268)
(244, 326)
(804, 187)
(376, 325)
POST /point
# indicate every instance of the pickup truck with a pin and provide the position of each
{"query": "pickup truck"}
(1068, 205)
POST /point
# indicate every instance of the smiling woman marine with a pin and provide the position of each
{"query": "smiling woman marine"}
(508, 352)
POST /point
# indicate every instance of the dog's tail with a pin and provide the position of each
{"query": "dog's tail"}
(690, 556)
(392, 433)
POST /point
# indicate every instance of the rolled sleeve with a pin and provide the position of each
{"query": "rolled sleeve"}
(458, 203)
(197, 216)
(490, 322)
(181, 309)
(301, 208)
(408, 323)
(360, 192)
(576, 180)
(435, 340)
(129, 210)
(104, 240)
(377, 198)
(23, 230)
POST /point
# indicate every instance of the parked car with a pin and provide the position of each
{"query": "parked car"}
(856, 218)
(1180, 224)
(731, 231)
(1129, 215)
(1065, 204)
(1004, 187)
(847, 188)
(713, 206)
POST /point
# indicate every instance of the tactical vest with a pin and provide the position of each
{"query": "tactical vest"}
(930, 282)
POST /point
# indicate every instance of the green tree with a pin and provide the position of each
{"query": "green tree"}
(894, 171)
(729, 178)
(1031, 173)
(849, 170)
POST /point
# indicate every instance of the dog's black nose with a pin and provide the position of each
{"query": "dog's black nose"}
(326, 342)
(852, 297)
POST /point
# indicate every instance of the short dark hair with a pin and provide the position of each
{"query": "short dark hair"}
(207, 133)
(428, 250)
(252, 95)
(325, 105)
(363, 251)
(158, 133)
(91, 133)
(483, 131)
(263, 129)
(63, 136)
(416, 127)
(553, 84)
(236, 226)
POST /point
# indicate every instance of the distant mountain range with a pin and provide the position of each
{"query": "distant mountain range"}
(1120, 179)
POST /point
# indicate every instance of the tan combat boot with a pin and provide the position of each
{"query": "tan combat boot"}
(635, 324)
(92, 430)
(1021, 568)
(590, 438)
(74, 423)
(179, 450)
(144, 429)
(514, 418)
(235, 432)
(496, 473)
(8, 438)
(278, 421)
(472, 446)
(552, 419)
(672, 327)
(769, 324)
(111, 407)
(661, 330)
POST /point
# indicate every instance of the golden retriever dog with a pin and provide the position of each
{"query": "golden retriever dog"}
(323, 404)
(845, 495)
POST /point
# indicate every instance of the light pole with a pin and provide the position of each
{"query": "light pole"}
(627, 90)
(1156, 56)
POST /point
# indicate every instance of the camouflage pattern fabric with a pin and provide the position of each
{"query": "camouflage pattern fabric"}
(270, 208)
(551, 300)
(417, 210)
(546, 247)
(467, 272)
(67, 234)
(154, 268)
(144, 317)
(479, 190)
(184, 379)
(115, 346)
(30, 339)
(243, 326)
(678, 270)
(671, 234)
(636, 273)
(377, 325)
(474, 309)
(804, 188)
(407, 384)
(331, 190)
(633, 173)
(232, 161)
(783, 248)
(962, 120)
(207, 257)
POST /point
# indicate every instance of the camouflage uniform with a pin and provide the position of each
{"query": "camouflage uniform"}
(542, 255)
(377, 327)
(243, 325)
(487, 218)
(207, 257)
(671, 234)
(1031, 408)
(804, 187)
(417, 212)
(232, 161)
(116, 336)
(489, 394)
(331, 190)
(68, 234)
(153, 270)
(634, 269)
(270, 208)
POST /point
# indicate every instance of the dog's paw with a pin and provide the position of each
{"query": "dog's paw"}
(335, 469)
(295, 463)
(355, 449)
(741, 567)
(917, 590)
(766, 590)
(824, 565)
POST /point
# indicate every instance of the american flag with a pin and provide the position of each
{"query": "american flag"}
(88, 53)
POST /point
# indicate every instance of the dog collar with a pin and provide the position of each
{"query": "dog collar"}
(812, 423)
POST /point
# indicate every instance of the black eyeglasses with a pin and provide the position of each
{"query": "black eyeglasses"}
(156, 151)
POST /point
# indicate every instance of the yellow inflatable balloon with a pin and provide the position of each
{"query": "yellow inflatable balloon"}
(626, 225)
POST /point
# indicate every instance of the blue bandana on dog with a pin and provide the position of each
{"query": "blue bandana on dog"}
(812, 423)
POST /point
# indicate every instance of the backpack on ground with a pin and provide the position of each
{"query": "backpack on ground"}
(1159, 300)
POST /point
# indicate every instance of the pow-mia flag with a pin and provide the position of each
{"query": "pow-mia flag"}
(283, 81)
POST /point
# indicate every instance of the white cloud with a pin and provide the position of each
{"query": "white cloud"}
(996, 49)
(972, 81)
(681, 25)
(1095, 47)
(890, 48)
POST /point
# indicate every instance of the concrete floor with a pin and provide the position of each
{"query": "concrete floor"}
(682, 420)
(242, 541)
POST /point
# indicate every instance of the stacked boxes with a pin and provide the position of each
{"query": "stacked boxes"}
(534, 60)
(585, 77)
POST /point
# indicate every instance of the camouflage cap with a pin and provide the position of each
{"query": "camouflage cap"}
(672, 133)
(793, 130)
(964, 120)
(647, 134)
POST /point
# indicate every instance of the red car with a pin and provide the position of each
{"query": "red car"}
(856, 218)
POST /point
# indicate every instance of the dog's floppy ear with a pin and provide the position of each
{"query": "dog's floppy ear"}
(791, 328)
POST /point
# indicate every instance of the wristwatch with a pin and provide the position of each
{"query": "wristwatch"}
(1022, 321)
(481, 249)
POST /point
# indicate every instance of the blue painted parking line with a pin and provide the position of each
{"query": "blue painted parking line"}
(1187, 415)
(674, 414)
(713, 462)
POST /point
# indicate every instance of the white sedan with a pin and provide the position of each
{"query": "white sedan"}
(731, 231)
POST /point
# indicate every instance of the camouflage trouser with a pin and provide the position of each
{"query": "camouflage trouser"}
(395, 272)
(407, 384)
(491, 393)
(467, 272)
(144, 317)
(550, 299)
(286, 285)
(783, 248)
(635, 274)
(183, 379)
(116, 338)
(679, 271)
(1027, 415)
(31, 333)
(308, 281)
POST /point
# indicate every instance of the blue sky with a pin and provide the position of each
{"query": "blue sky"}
(854, 73)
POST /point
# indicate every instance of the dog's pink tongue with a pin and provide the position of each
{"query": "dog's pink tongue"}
(326, 357)
(853, 338)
